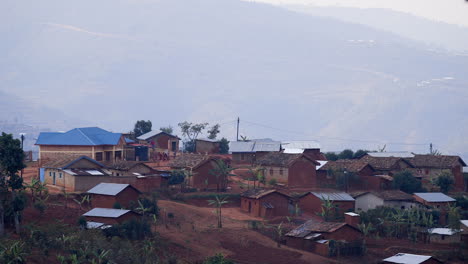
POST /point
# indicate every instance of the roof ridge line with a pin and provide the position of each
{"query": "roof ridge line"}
(79, 129)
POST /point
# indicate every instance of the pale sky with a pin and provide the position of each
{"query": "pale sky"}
(449, 11)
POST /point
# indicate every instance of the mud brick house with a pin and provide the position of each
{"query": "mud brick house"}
(444, 235)
(293, 170)
(124, 167)
(390, 198)
(388, 163)
(248, 152)
(315, 236)
(81, 174)
(434, 199)
(160, 140)
(202, 169)
(309, 148)
(207, 146)
(93, 142)
(312, 202)
(428, 167)
(265, 203)
(106, 195)
(110, 216)
(67, 172)
(411, 259)
(355, 175)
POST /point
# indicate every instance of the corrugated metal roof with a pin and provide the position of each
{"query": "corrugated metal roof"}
(106, 212)
(85, 136)
(322, 163)
(108, 188)
(404, 258)
(306, 144)
(402, 154)
(464, 222)
(152, 134)
(435, 197)
(266, 146)
(241, 146)
(293, 151)
(93, 225)
(443, 231)
(333, 196)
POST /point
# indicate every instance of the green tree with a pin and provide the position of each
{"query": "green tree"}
(142, 127)
(331, 156)
(444, 181)
(454, 217)
(213, 131)
(405, 181)
(218, 204)
(11, 161)
(191, 132)
(224, 146)
(221, 171)
(168, 129)
(359, 153)
(346, 154)
(327, 209)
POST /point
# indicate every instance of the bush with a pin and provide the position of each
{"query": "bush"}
(133, 230)
(272, 182)
(406, 182)
(218, 259)
(117, 205)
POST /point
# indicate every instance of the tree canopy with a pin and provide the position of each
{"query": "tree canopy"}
(142, 127)
(213, 131)
(168, 129)
(444, 181)
(224, 146)
(406, 182)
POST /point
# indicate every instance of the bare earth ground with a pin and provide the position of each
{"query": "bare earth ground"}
(195, 228)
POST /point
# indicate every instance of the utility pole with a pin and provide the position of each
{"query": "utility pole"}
(430, 148)
(238, 120)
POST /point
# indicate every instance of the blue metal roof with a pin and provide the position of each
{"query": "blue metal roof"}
(85, 136)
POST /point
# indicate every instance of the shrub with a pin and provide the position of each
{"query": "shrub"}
(117, 205)
(272, 182)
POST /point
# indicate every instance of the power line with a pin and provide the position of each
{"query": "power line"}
(338, 138)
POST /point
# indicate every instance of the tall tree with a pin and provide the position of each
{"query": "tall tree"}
(142, 127)
(223, 146)
(221, 171)
(191, 132)
(444, 181)
(213, 131)
(405, 181)
(11, 161)
(168, 129)
(346, 154)
(218, 204)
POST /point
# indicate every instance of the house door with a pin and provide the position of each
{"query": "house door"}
(250, 207)
(53, 178)
(174, 146)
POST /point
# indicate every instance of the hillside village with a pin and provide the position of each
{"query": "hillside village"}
(376, 207)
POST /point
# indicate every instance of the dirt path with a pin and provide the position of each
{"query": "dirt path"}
(194, 228)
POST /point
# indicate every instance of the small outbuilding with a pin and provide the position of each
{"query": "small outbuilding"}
(316, 236)
(444, 235)
(265, 203)
(434, 199)
(313, 202)
(207, 146)
(107, 195)
(110, 216)
(405, 258)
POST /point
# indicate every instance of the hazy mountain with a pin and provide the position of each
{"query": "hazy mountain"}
(435, 33)
(113, 62)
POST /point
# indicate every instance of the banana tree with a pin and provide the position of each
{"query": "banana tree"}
(218, 204)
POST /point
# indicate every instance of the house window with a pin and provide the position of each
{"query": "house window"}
(271, 171)
(99, 156)
(426, 171)
(50, 173)
(443, 237)
(403, 207)
(60, 175)
(242, 156)
(281, 171)
(118, 155)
